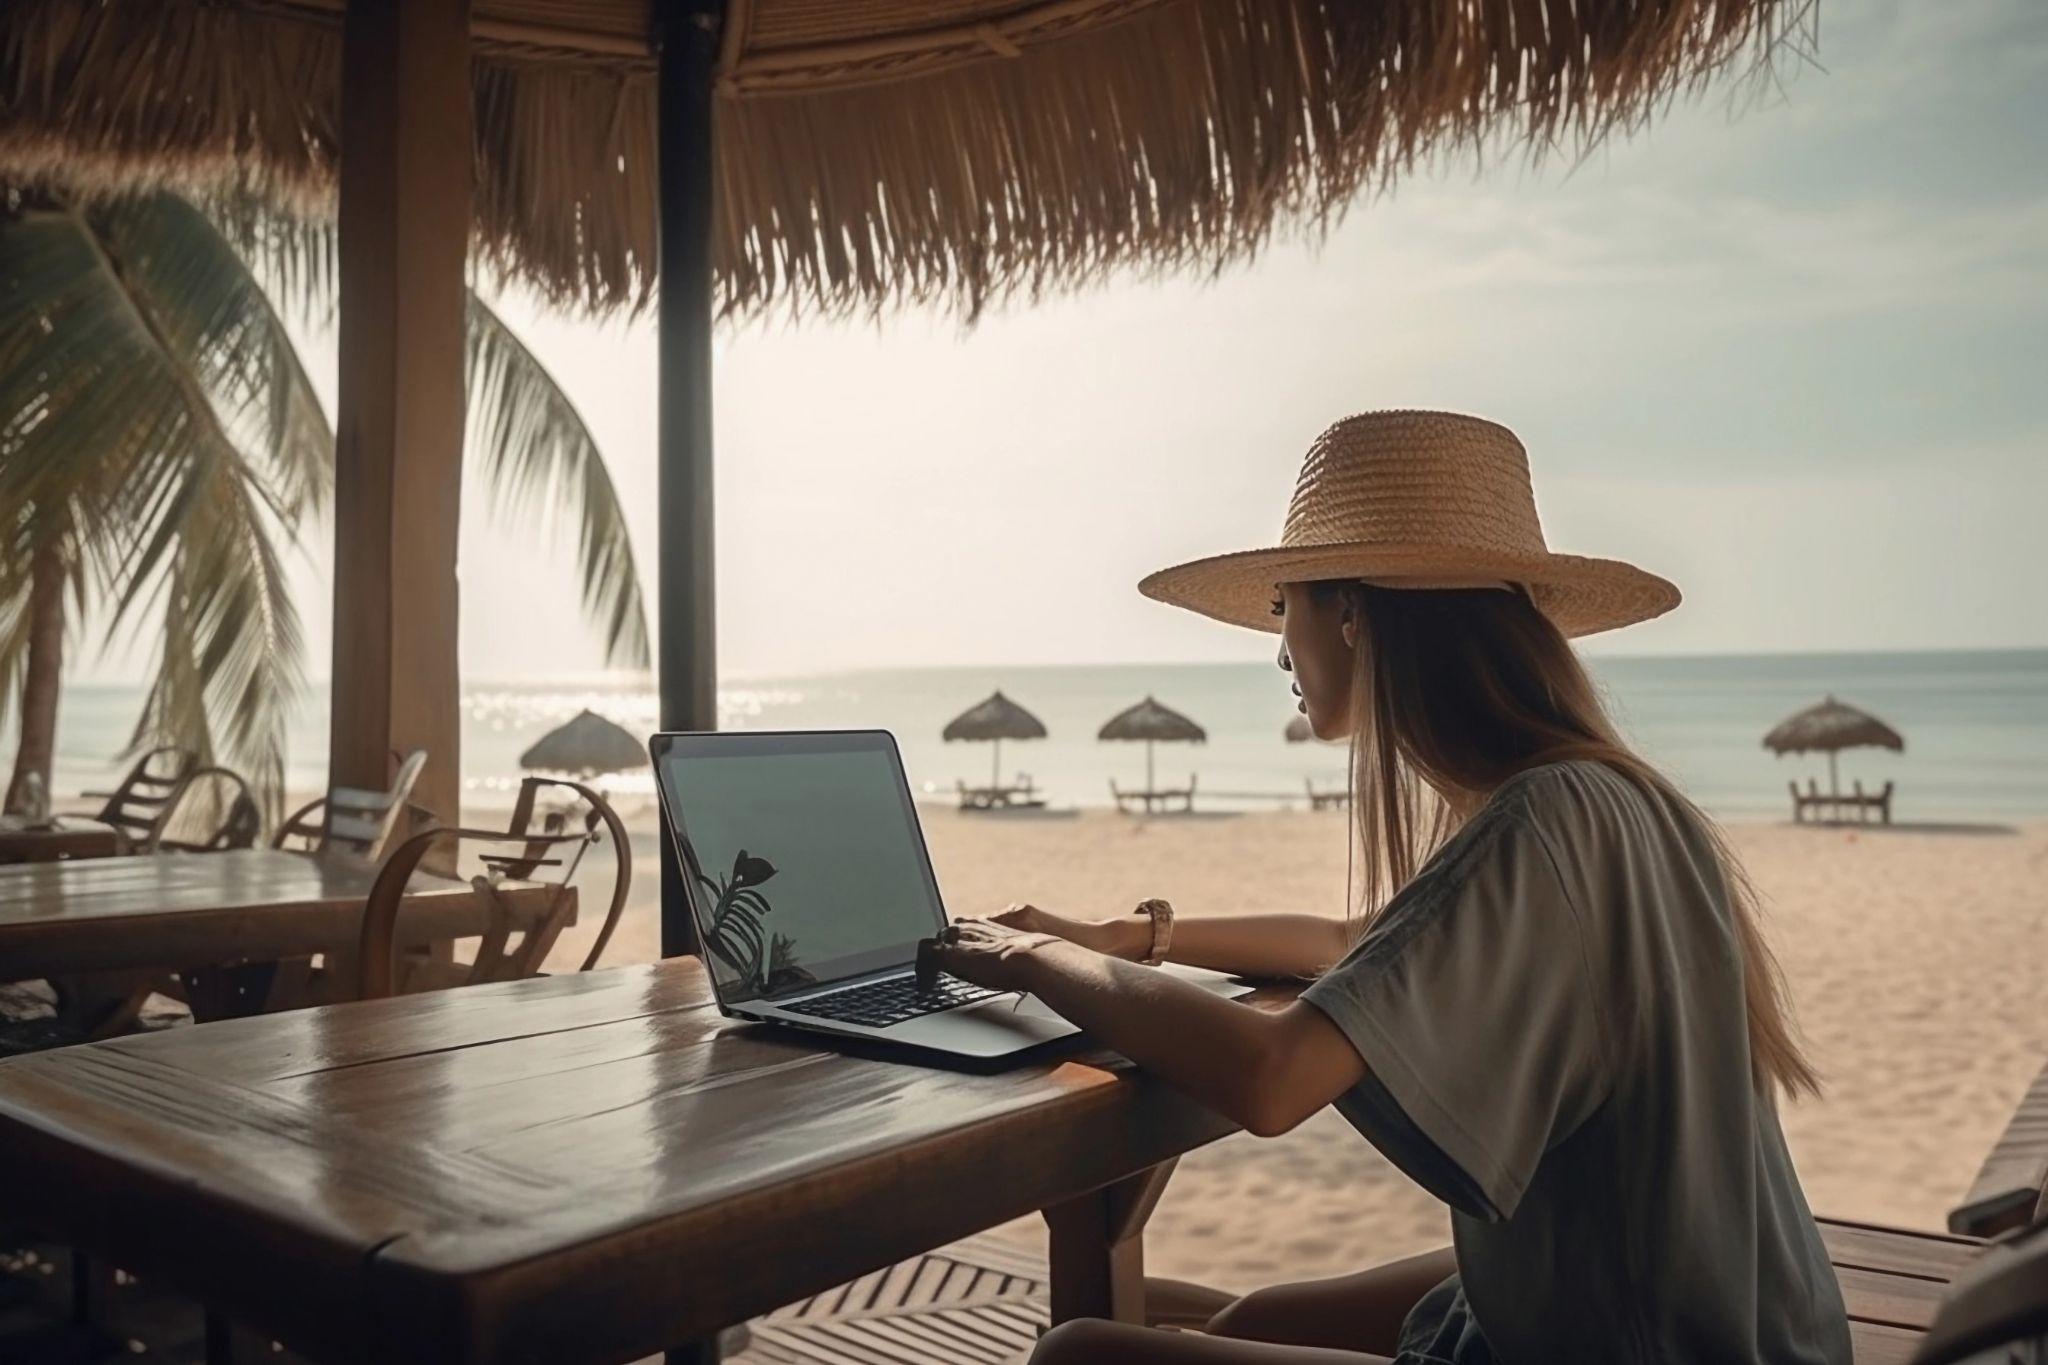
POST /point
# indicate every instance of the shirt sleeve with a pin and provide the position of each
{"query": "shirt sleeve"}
(1471, 1002)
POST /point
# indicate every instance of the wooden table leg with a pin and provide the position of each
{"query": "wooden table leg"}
(1096, 1248)
(103, 1004)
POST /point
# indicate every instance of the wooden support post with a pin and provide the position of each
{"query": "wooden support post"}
(687, 623)
(1096, 1249)
(406, 165)
(688, 626)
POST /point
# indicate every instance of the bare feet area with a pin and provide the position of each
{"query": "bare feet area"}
(1915, 958)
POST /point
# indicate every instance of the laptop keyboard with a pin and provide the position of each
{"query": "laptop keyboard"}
(881, 1004)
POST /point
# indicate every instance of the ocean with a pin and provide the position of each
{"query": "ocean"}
(1976, 727)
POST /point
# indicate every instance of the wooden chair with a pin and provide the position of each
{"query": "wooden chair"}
(1998, 1309)
(2011, 1189)
(348, 821)
(142, 804)
(240, 822)
(554, 845)
(351, 819)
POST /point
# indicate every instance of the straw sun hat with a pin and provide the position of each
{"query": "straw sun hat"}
(1416, 500)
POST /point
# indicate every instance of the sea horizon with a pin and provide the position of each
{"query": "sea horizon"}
(1975, 723)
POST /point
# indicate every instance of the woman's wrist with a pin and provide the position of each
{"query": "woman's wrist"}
(1127, 936)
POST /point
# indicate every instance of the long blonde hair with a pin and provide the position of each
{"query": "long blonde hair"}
(1464, 688)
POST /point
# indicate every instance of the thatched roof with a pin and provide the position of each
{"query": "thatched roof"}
(996, 718)
(1829, 726)
(1148, 720)
(872, 152)
(586, 746)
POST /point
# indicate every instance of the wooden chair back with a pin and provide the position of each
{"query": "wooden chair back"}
(560, 842)
(142, 805)
(237, 822)
(351, 819)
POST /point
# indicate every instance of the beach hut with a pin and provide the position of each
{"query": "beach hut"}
(1152, 724)
(587, 745)
(1829, 727)
(863, 154)
(993, 721)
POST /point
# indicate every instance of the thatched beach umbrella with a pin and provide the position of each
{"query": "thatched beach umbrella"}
(863, 154)
(587, 745)
(1154, 724)
(1298, 731)
(1830, 727)
(994, 720)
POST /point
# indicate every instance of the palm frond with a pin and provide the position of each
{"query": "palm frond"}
(14, 586)
(538, 459)
(166, 410)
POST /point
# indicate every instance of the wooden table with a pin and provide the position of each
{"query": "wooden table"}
(69, 836)
(177, 910)
(569, 1169)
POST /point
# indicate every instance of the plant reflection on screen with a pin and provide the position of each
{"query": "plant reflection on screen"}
(761, 962)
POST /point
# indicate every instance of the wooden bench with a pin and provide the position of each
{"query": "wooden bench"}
(1337, 798)
(1853, 806)
(1165, 798)
(1022, 795)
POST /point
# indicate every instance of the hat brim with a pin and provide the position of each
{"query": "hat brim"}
(1581, 596)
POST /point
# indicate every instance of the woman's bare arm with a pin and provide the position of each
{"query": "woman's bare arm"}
(1264, 1070)
(1278, 945)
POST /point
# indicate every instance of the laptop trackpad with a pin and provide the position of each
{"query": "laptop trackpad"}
(1004, 1024)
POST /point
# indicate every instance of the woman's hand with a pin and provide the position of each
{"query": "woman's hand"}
(1266, 1070)
(1128, 937)
(983, 951)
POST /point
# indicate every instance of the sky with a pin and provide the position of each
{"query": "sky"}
(1786, 350)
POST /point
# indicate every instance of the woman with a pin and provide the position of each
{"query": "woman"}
(1562, 1020)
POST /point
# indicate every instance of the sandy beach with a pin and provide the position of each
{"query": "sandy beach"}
(1915, 957)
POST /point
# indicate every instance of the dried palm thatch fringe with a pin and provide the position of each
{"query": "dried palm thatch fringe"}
(936, 155)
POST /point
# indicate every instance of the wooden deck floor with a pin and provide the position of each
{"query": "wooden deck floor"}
(977, 1302)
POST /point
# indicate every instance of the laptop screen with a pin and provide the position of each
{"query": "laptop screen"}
(804, 855)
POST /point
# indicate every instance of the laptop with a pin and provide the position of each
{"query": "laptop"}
(810, 887)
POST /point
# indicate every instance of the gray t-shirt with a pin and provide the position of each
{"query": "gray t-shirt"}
(1552, 1020)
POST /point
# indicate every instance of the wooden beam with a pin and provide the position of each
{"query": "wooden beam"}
(406, 170)
(688, 605)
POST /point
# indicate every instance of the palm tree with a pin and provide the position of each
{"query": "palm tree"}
(161, 446)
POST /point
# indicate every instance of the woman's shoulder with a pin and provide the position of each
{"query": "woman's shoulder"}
(1588, 804)
(1548, 789)
(1591, 815)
